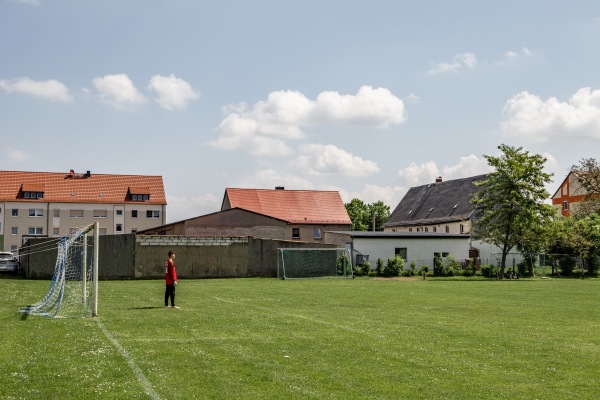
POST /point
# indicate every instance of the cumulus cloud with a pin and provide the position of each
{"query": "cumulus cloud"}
(172, 92)
(284, 115)
(49, 89)
(185, 207)
(118, 91)
(319, 159)
(269, 178)
(527, 115)
(459, 61)
(371, 193)
(421, 174)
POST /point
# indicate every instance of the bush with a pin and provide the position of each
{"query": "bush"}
(488, 271)
(438, 266)
(379, 269)
(566, 264)
(394, 267)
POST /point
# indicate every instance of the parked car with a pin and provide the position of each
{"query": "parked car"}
(8, 262)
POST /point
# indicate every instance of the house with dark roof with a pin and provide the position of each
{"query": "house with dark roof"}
(49, 204)
(298, 215)
(438, 207)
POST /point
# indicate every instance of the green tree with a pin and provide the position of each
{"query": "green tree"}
(510, 203)
(362, 214)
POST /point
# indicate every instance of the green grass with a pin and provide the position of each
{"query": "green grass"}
(309, 339)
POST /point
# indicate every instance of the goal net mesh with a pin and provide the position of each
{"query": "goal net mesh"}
(71, 288)
(311, 263)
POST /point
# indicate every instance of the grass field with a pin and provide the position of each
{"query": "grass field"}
(309, 339)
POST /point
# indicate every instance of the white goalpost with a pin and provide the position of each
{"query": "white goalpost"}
(73, 291)
(295, 263)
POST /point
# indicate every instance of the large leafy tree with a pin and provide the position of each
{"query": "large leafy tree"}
(362, 214)
(510, 205)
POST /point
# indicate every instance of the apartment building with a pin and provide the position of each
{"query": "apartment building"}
(50, 204)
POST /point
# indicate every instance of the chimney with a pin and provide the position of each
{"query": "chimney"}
(438, 179)
(279, 188)
(88, 174)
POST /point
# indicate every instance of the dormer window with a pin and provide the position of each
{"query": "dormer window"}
(139, 193)
(32, 191)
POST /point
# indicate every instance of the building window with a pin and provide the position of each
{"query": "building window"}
(462, 228)
(401, 252)
(14, 230)
(317, 233)
(133, 213)
(134, 230)
(447, 229)
(426, 229)
(119, 212)
(100, 214)
(119, 228)
(435, 229)
(410, 229)
(442, 254)
(13, 248)
(15, 212)
(55, 231)
(565, 205)
(152, 214)
(295, 233)
(36, 212)
(76, 213)
(57, 213)
(35, 231)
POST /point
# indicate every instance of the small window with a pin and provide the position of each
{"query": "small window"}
(295, 233)
(134, 230)
(35, 231)
(434, 229)
(133, 213)
(55, 231)
(565, 205)
(152, 214)
(119, 228)
(100, 213)
(462, 228)
(15, 212)
(76, 213)
(410, 229)
(442, 254)
(119, 212)
(14, 230)
(426, 229)
(447, 229)
(134, 197)
(13, 248)
(36, 212)
(317, 233)
(57, 213)
(401, 252)
(146, 197)
(26, 195)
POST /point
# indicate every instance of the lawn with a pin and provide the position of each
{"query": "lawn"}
(309, 339)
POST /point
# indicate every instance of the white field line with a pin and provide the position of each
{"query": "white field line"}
(136, 370)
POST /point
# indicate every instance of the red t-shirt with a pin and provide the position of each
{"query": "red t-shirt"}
(170, 273)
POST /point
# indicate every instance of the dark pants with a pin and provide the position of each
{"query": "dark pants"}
(170, 293)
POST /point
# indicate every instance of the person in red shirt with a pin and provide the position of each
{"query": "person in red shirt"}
(170, 280)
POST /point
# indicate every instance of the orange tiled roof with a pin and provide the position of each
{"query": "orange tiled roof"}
(59, 187)
(294, 206)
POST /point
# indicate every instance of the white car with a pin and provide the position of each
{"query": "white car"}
(8, 262)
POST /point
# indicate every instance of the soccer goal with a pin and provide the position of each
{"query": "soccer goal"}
(294, 263)
(73, 291)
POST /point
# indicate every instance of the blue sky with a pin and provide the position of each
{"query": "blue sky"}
(368, 98)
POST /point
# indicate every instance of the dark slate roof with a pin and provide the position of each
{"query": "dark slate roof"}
(400, 235)
(436, 203)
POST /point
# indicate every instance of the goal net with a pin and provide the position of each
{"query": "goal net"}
(73, 291)
(312, 262)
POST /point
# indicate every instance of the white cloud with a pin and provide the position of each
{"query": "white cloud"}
(526, 115)
(49, 89)
(17, 156)
(459, 61)
(284, 115)
(374, 107)
(185, 207)
(269, 178)
(413, 98)
(371, 193)
(118, 91)
(319, 159)
(172, 92)
(421, 174)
